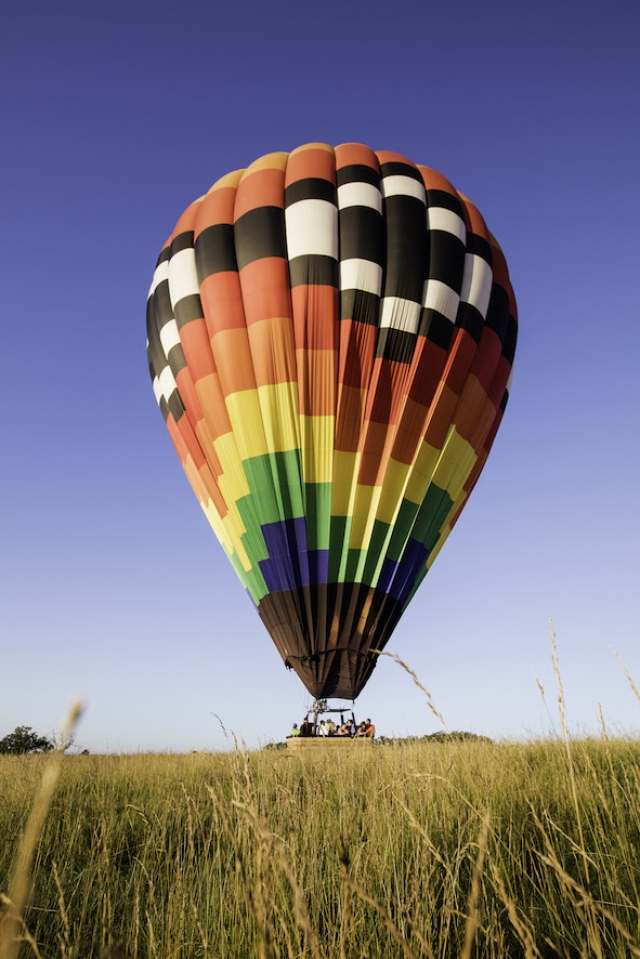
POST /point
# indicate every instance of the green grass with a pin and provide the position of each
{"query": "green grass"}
(452, 849)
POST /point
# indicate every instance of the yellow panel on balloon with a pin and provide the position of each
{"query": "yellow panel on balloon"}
(345, 466)
(456, 462)
(422, 473)
(229, 528)
(364, 514)
(279, 406)
(317, 448)
(246, 419)
(237, 543)
(232, 482)
(217, 525)
(393, 486)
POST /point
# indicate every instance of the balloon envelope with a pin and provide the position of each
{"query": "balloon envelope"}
(330, 338)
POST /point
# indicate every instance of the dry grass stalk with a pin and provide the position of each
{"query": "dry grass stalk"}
(258, 888)
(414, 676)
(347, 912)
(301, 911)
(12, 930)
(558, 675)
(565, 733)
(582, 900)
(395, 933)
(520, 926)
(589, 905)
(19, 932)
(65, 938)
(203, 936)
(544, 700)
(603, 726)
(636, 693)
(473, 919)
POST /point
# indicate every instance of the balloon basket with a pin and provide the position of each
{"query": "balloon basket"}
(303, 743)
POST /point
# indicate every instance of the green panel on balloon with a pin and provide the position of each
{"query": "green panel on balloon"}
(274, 481)
(318, 514)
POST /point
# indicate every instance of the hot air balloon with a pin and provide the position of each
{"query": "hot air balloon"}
(331, 334)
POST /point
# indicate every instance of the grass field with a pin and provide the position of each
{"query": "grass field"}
(440, 850)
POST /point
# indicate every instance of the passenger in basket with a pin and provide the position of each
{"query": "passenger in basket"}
(307, 727)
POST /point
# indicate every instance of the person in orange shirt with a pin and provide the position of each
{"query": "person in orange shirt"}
(369, 729)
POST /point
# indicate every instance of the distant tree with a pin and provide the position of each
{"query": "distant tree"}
(24, 740)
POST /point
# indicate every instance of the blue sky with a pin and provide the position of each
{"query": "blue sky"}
(113, 588)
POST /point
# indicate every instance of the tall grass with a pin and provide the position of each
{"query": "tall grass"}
(454, 849)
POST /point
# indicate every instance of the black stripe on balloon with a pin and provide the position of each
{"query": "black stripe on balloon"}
(357, 173)
(187, 309)
(313, 269)
(446, 258)
(361, 306)
(155, 353)
(163, 315)
(162, 304)
(361, 234)
(175, 406)
(173, 403)
(511, 336)
(313, 188)
(183, 241)
(498, 311)
(260, 233)
(406, 247)
(396, 345)
(176, 359)
(469, 318)
(216, 251)
(164, 408)
(436, 327)
(440, 198)
(165, 255)
(479, 246)
(504, 400)
(400, 169)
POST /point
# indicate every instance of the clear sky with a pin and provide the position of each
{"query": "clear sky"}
(112, 587)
